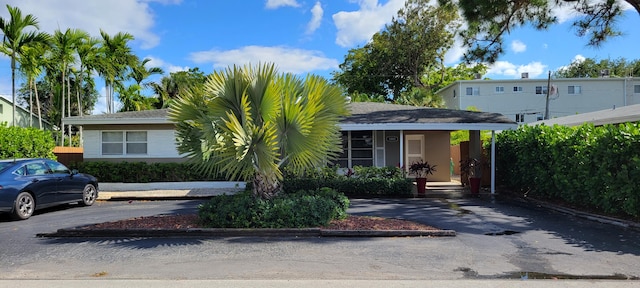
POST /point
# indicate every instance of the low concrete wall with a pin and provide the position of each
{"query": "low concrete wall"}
(167, 189)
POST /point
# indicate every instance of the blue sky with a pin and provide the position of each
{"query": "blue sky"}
(300, 36)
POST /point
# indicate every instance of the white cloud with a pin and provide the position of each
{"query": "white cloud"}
(518, 47)
(576, 60)
(504, 68)
(292, 60)
(358, 26)
(167, 67)
(131, 16)
(274, 4)
(316, 18)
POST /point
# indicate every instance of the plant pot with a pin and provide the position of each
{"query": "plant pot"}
(421, 184)
(474, 185)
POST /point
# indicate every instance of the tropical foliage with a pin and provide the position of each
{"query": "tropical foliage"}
(593, 68)
(251, 122)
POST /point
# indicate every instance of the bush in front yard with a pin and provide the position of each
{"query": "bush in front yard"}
(296, 210)
(19, 142)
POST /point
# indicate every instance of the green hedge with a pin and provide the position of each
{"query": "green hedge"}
(141, 172)
(297, 210)
(594, 167)
(19, 142)
(359, 182)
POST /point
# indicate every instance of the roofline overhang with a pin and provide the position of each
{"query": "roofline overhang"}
(428, 126)
(117, 121)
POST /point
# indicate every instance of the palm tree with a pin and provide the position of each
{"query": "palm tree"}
(31, 65)
(251, 122)
(15, 39)
(140, 72)
(63, 48)
(88, 55)
(115, 57)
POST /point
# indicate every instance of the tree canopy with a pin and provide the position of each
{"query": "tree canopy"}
(593, 68)
(403, 55)
(489, 21)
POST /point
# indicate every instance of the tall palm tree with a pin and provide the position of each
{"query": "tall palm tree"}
(115, 58)
(63, 48)
(88, 55)
(251, 122)
(15, 39)
(140, 72)
(31, 65)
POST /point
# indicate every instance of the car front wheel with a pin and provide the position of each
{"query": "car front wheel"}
(89, 195)
(24, 206)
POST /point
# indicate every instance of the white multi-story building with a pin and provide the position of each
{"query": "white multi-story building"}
(525, 100)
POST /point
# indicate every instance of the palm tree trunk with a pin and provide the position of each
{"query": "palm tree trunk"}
(78, 87)
(30, 105)
(69, 107)
(13, 87)
(35, 88)
(62, 114)
(266, 186)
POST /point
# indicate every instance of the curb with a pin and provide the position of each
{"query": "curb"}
(230, 232)
(589, 216)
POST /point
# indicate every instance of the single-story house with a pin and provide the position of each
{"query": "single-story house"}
(375, 134)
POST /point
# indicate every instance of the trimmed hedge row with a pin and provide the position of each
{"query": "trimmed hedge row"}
(595, 167)
(19, 142)
(359, 182)
(141, 172)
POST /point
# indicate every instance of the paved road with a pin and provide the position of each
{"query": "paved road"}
(496, 240)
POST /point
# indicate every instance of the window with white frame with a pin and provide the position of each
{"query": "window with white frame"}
(124, 142)
(357, 149)
(575, 89)
(636, 89)
(541, 89)
(473, 91)
(517, 88)
(499, 89)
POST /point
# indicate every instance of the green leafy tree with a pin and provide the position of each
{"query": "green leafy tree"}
(251, 122)
(32, 66)
(489, 21)
(175, 84)
(15, 39)
(398, 58)
(593, 68)
(115, 58)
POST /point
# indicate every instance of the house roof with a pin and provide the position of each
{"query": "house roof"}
(365, 116)
(615, 115)
(382, 116)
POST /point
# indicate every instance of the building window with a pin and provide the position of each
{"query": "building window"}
(124, 143)
(357, 149)
(499, 89)
(541, 89)
(517, 88)
(574, 89)
(636, 89)
(519, 118)
(1, 109)
(473, 91)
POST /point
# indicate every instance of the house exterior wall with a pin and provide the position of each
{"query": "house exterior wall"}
(438, 152)
(22, 116)
(161, 146)
(574, 96)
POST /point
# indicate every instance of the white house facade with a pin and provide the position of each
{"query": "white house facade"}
(525, 100)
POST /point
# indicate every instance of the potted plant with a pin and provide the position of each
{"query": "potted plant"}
(470, 168)
(421, 169)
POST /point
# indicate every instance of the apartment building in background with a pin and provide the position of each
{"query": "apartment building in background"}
(525, 100)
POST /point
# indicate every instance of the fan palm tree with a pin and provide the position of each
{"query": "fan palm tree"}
(15, 39)
(250, 123)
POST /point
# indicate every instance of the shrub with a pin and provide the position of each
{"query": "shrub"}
(141, 172)
(20, 142)
(594, 167)
(296, 210)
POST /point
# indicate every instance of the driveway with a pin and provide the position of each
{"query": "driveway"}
(496, 239)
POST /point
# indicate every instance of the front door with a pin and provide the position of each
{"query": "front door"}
(415, 149)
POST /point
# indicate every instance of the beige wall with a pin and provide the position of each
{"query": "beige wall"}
(438, 152)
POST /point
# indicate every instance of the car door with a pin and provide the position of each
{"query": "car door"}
(40, 182)
(69, 187)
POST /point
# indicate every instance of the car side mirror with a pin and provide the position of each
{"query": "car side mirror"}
(74, 171)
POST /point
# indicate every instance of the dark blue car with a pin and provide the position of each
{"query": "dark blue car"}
(30, 184)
